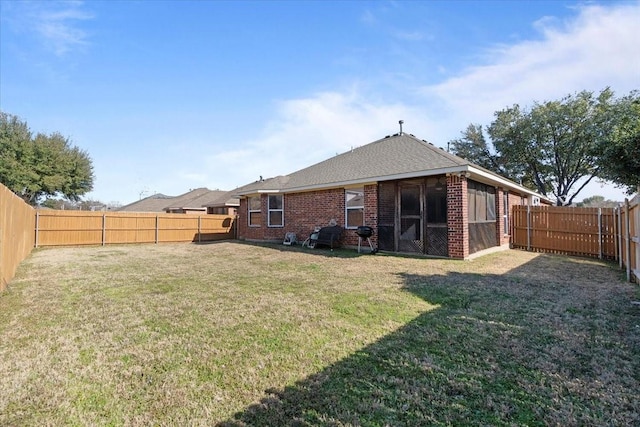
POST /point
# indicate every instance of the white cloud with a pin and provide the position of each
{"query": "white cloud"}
(57, 24)
(598, 48)
(306, 131)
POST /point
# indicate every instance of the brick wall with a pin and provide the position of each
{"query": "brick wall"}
(457, 217)
(303, 212)
(370, 216)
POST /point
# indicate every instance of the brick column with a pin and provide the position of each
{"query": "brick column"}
(371, 210)
(457, 217)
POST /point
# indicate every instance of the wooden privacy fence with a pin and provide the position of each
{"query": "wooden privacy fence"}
(606, 233)
(628, 216)
(70, 228)
(16, 233)
(566, 230)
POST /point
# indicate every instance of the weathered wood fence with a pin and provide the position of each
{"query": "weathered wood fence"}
(628, 216)
(605, 233)
(16, 233)
(71, 228)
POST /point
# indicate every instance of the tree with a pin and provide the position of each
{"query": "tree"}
(597, 202)
(555, 146)
(619, 159)
(40, 166)
(473, 146)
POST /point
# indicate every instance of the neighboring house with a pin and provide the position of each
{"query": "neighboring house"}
(154, 203)
(198, 201)
(209, 202)
(224, 203)
(417, 197)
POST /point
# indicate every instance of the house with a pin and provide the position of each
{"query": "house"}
(153, 203)
(205, 202)
(417, 197)
(198, 201)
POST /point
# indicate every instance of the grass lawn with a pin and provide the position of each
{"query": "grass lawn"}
(233, 334)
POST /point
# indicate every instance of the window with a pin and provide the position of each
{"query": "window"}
(505, 206)
(354, 204)
(276, 212)
(255, 217)
(481, 202)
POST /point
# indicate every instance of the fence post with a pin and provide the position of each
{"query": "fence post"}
(37, 224)
(199, 228)
(104, 229)
(600, 233)
(619, 221)
(528, 227)
(628, 239)
(157, 236)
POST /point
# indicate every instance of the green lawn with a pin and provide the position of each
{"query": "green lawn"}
(235, 334)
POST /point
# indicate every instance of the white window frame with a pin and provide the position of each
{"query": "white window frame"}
(250, 211)
(269, 210)
(347, 208)
(505, 206)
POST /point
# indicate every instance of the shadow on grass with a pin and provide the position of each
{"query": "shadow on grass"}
(529, 347)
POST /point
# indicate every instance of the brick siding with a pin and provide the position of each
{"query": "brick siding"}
(457, 217)
(305, 211)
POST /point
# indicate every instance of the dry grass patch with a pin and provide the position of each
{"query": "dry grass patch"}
(257, 335)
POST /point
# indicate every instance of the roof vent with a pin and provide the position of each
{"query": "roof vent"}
(401, 122)
(388, 136)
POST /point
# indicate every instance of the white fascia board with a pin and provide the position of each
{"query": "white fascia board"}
(255, 193)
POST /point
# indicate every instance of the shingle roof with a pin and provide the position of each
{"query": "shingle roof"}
(395, 155)
(193, 199)
(154, 203)
(400, 156)
(210, 198)
(388, 157)
(222, 198)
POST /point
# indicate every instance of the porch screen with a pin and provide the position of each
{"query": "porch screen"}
(386, 216)
(482, 216)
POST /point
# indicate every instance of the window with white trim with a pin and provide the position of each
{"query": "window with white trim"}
(255, 211)
(276, 211)
(354, 206)
(505, 207)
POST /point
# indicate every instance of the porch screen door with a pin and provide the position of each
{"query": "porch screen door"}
(411, 237)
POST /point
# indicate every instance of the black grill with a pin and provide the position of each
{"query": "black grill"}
(364, 231)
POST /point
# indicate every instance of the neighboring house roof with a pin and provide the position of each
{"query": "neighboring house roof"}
(191, 200)
(197, 199)
(401, 156)
(154, 203)
(212, 198)
(223, 199)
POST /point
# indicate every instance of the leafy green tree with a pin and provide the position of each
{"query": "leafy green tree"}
(619, 159)
(473, 146)
(555, 146)
(82, 205)
(40, 166)
(597, 202)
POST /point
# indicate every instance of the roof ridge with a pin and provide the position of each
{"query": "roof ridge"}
(441, 151)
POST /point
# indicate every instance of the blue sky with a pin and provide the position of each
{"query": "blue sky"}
(167, 96)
